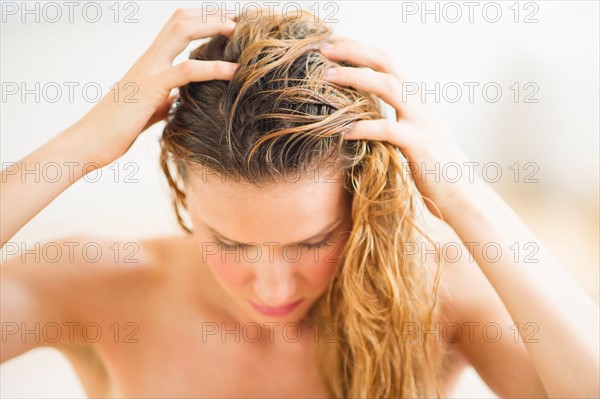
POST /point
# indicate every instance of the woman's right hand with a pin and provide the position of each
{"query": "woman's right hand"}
(107, 131)
(142, 96)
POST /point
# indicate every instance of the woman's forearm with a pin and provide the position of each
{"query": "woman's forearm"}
(566, 352)
(535, 289)
(108, 130)
(30, 184)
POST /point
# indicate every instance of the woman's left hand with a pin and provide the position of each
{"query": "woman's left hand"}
(417, 131)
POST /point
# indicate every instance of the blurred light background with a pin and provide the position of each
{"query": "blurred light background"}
(553, 124)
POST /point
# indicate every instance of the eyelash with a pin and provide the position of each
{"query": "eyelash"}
(319, 245)
(232, 247)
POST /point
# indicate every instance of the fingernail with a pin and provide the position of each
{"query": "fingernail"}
(330, 72)
(326, 47)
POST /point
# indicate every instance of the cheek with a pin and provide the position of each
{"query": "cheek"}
(224, 267)
(321, 265)
(318, 275)
(230, 274)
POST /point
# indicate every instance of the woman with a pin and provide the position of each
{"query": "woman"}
(306, 271)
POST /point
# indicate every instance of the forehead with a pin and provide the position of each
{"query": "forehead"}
(289, 210)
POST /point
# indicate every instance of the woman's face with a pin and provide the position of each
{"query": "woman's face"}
(273, 250)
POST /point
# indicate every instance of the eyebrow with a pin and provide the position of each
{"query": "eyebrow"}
(327, 229)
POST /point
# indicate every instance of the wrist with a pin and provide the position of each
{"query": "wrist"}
(469, 200)
(89, 144)
(77, 149)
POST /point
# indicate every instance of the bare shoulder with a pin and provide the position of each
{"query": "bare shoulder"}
(167, 249)
(78, 280)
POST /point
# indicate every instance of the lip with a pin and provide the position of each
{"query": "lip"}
(277, 311)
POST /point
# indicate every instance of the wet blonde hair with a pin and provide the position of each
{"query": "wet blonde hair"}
(277, 117)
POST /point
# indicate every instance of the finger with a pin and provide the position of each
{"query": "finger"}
(187, 13)
(177, 34)
(384, 85)
(197, 71)
(361, 54)
(401, 134)
(161, 112)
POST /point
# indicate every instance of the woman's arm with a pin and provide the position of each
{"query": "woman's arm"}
(109, 129)
(565, 351)
(23, 195)
(36, 291)
(566, 355)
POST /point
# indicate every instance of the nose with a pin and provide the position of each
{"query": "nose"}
(274, 284)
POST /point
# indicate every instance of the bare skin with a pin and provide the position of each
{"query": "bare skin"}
(160, 305)
(153, 312)
(163, 347)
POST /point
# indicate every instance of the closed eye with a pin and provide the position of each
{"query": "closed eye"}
(318, 245)
(233, 247)
(227, 246)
